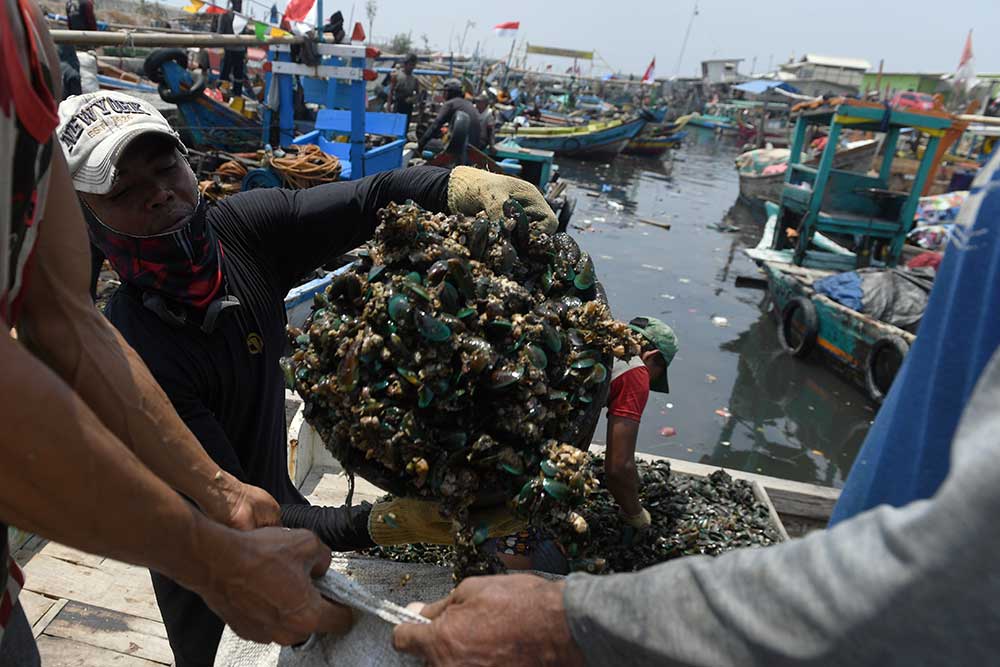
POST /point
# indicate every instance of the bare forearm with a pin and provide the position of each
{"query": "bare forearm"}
(107, 374)
(623, 483)
(68, 478)
(621, 475)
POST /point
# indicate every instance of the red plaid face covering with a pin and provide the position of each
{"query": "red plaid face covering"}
(184, 265)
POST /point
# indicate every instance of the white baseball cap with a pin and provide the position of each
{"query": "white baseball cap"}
(96, 128)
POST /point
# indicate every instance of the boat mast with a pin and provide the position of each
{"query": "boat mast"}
(684, 44)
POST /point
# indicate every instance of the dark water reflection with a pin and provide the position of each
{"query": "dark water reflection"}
(789, 418)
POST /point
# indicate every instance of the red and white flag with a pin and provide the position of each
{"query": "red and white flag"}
(508, 29)
(650, 71)
(966, 75)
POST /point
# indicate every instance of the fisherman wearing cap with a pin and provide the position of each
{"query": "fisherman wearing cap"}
(454, 103)
(487, 121)
(202, 302)
(631, 383)
(403, 89)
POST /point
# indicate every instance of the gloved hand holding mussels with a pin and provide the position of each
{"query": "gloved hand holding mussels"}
(465, 361)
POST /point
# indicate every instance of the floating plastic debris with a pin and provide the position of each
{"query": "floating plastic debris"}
(668, 431)
(724, 413)
(709, 378)
(719, 321)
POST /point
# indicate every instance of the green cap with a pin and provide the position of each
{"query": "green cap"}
(663, 337)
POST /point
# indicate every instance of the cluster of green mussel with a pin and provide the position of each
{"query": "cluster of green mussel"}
(460, 361)
(691, 516)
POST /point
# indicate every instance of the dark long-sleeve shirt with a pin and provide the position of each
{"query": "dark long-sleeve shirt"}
(227, 386)
(447, 115)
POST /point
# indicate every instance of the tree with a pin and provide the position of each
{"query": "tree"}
(427, 42)
(371, 7)
(401, 43)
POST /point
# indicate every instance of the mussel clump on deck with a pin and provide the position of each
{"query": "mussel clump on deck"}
(691, 516)
(464, 360)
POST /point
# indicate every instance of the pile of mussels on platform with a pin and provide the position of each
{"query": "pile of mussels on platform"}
(463, 361)
(690, 516)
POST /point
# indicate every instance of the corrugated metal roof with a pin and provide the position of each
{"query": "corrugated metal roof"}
(760, 86)
(829, 61)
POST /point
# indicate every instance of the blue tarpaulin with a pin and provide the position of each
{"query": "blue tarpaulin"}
(760, 86)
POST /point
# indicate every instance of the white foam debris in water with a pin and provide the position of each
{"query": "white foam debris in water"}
(720, 321)
(652, 267)
(684, 280)
(616, 206)
(671, 297)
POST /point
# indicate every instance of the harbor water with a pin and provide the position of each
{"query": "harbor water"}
(736, 400)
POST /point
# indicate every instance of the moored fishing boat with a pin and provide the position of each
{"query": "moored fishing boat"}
(603, 139)
(654, 146)
(655, 140)
(712, 121)
(766, 184)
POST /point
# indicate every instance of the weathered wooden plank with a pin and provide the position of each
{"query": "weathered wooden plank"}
(113, 585)
(58, 652)
(39, 626)
(29, 549)
(112, 630)
(34, 605)
(71, 555)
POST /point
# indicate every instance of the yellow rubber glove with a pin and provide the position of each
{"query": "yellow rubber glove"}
(472, 190)
(640, 521)
(409, 521)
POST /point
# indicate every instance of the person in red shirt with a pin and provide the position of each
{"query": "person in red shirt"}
(631, 383)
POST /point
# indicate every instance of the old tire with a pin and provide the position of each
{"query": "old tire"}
(198, 83)
(798, 327)
(153, 64)
(883, 363)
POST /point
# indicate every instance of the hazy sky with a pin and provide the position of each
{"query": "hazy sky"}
(911, 35)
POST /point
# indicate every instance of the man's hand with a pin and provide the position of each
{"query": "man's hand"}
(261, 585)
(241, 506)
(504, 620)
(409, 521)
(472, 190)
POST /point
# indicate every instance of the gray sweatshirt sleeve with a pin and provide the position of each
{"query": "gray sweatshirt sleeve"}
(915, 585)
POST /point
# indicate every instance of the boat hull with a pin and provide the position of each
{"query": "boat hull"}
(653, 146)
(603, 142)
(845, 337)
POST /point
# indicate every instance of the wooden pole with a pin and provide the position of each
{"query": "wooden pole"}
(878, 79)
(203, 39)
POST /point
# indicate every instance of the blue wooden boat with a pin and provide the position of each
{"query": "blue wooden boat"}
(647, 146)
(824, 199)
(866, 351)
(594, 140)
(713, 122)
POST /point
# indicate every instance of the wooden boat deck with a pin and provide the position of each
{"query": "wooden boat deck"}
(91, 611)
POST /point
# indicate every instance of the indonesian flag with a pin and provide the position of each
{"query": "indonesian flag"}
(648, 76)
(508, 29)
(298, 10)
(965, 76)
